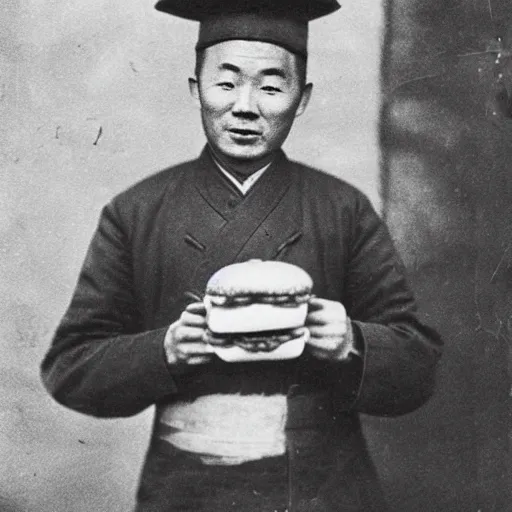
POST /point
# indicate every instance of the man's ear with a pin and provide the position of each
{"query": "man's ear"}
(193, 87)
(304, 100)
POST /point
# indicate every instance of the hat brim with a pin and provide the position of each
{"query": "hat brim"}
(199, 10)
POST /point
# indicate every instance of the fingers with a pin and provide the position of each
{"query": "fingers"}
(189, 336)
(190, 319)
(325, 312)
(185, 339)
(196, 360)
(194, 352)
(315, 303)
(325, 344)
(193, 316)
(327, 323)
(188, 350)
(188, 333)
(333, 330)
(187, 359)
(197, 308)
(328, 348)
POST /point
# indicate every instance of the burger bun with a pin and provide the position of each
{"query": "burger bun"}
(288, 350)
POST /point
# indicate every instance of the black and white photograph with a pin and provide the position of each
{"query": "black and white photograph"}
(256, 256)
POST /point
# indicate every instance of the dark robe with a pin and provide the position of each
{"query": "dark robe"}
(161, 240)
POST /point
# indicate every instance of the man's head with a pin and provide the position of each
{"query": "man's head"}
(250, 78)
(249, 93)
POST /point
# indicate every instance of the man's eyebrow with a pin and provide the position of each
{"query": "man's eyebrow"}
(229, 67)
(265, 72)
(274, 72)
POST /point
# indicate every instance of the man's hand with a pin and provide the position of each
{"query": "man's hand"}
(185, 341)
(330, 329)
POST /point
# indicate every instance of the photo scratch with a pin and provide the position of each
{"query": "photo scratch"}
(500, 263)
(100, 131)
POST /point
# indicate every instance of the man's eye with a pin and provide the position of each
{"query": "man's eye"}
(271, 89)
(227, 86)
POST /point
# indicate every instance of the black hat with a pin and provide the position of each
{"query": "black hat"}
(281, 22)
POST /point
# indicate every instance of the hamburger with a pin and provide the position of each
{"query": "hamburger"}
(256, 310)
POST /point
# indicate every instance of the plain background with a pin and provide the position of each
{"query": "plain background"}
(93, 97)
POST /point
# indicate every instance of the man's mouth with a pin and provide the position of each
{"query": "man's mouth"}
(244, 132)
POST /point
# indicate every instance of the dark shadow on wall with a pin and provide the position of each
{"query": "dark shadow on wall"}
(446, 136)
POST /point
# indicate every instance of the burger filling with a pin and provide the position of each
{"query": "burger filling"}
(263, 341)
(291, 300)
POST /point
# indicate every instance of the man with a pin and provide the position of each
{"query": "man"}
(135, 332)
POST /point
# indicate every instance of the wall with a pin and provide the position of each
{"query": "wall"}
(93, 97)
(446, 138)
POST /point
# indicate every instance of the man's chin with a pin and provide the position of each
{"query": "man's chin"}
(243, 156)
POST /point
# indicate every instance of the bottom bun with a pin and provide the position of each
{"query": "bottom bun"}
(288, 350)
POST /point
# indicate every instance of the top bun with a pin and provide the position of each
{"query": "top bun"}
(259, 277)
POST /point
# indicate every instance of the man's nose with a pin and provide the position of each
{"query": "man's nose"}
(245, 103)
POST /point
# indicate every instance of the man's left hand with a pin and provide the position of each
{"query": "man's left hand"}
(330, 330)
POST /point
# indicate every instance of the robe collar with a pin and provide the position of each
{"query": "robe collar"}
(225, 197)
(258, 225)
(249, 181)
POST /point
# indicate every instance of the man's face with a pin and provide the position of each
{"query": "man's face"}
(249, 93)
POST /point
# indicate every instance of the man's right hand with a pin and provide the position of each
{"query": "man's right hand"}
(185, 341)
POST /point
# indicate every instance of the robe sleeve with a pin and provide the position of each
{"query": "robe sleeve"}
(100, 363)
(397, 370)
